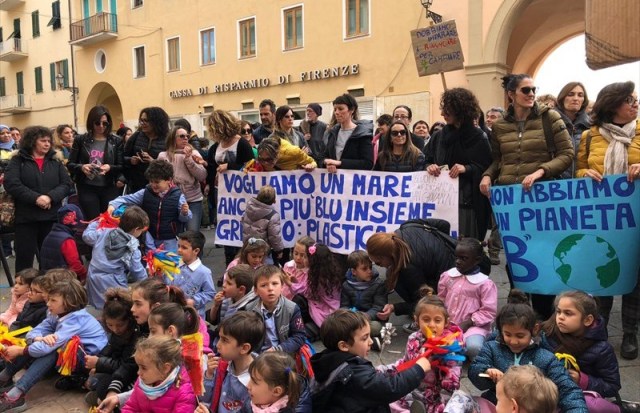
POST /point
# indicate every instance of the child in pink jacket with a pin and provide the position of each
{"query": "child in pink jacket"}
(19, 295)
(163, 385)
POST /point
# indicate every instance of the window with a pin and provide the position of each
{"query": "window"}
(138, 62)
(38, 76)
(136, 3)
(208, 47)
(3, 87)
(173, 54)
(35, 23)
(293, 101)
(247, 37)
(56, 21)
(357, 17)
(292, 28)
(61, 67)
(16, 31)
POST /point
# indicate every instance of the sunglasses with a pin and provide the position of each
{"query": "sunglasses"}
(631, 100)
(526, 90)
(99, 123)
(266, 160)
(183, 136)
(143, 121)
(399, 132)
(247, 130)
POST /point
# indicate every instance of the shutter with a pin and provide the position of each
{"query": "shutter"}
(3, 90)
(65, 72)
(52, 70)
(38, 74)
(20, 83)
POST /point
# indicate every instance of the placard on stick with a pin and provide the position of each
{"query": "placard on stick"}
(437, 48)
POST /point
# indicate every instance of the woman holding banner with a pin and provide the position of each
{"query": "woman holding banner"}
(523, 153)
(610, 147)
(398, 154)
(464, 150)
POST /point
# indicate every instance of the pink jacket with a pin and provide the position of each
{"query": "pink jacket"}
(187, 174)
(319, 310)
(15, 308)
(300, 276)
(180, 398)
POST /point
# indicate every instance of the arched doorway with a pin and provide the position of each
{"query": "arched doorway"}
(521, 35)
(104, 94)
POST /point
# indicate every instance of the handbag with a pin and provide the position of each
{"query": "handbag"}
(7, 210)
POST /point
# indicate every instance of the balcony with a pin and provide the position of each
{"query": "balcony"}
(6, 5)
(13, 49)
(15, 104)
(95, 29)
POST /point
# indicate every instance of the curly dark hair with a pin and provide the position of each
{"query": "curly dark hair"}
(609, 100)
(462, 104)
(158, 119)
(325, 276)
(32, 134)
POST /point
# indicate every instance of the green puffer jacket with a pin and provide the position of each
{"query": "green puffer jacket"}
(517, 154)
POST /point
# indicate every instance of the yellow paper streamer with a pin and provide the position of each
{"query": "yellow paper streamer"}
(11, 337)
(568, 360)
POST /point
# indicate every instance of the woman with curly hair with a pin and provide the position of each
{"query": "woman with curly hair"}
(145, 145)
(398, 154)
(463, 149)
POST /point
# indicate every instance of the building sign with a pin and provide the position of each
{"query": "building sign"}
(437, 48)
(306, 76)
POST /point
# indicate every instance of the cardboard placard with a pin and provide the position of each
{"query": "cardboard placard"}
(437, 48)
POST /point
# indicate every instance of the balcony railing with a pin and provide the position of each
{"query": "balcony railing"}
(15, 104)
(7, 5)
(13, 49)
(94, 29)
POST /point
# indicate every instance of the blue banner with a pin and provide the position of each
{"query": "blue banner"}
(571, 234)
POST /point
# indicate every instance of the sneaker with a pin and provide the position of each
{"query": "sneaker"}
(410, 328)
(5, 386)
(494, 257)
(70, 383)
(12, 406)
(629, 347)
(629, 407)
(376, 345)
(91, 399)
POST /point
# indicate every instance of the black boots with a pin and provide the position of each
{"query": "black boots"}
(629, 347)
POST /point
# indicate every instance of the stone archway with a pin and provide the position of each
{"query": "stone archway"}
(521, 35)
(104, 94)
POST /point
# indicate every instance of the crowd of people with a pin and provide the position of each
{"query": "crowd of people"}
(248, 346)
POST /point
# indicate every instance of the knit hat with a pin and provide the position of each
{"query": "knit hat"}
(70, 215)
(316, 108)
(3, 127)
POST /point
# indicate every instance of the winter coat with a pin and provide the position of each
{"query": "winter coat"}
(262, 221)
(430, 257)
(369, 297)
(31, 315)
(358, 151)
(468, 146)
(113, 156)
(296, 138)
(316, 142)
(123, 378)
(180, 398)
(598, 148)
(118, 354)
(136, 143)
(517, 154)
(187, 174)
(575, 129)
(395, 164)
(598, 364)
(25, 183)
(15, 308)
(435, 380)
(497, 355)
(289, 324)
(347, 383)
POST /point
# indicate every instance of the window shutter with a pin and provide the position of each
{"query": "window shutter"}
(52, 70)
(65, 72)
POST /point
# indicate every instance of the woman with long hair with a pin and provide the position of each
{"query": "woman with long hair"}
(398, 153)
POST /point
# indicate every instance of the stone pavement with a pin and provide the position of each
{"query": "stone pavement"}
(44, 398)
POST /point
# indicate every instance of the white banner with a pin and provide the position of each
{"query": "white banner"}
(341, 210)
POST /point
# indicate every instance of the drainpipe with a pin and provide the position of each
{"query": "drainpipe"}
(74, 89)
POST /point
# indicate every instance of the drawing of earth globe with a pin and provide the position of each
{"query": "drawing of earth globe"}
(586, 262)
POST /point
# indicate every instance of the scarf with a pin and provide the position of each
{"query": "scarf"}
(158, 391)
(272, 408)
(616, 159)
(8, 146)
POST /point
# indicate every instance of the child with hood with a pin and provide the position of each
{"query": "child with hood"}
(59, 248)
(261, 220)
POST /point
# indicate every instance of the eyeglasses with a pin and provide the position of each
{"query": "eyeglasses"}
(247, 130)
(104, 124)
(398, 117)
(266, 160)
(143, 121)
(526, 90)
(183, 136)
(631, 100)
(288, 117)
(399, 132)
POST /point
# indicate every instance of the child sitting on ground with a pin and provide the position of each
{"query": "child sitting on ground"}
(253, 252)
(524, 389)
(297, 270)
(194, 278)
(166, 205)
(115, 251)
(237, 292)
(261, 220)
(59, 248)
(19, 296)
(35, 310)
(363, 290)
(345, 380)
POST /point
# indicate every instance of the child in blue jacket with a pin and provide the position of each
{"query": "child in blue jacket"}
(68, 318)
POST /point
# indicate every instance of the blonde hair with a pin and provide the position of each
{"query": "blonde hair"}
(386, 244)
(161, 350)
(222, 125)
(529, 387)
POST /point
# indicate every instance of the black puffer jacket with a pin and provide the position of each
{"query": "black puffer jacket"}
(358, 151)
(113, 156)
(369, 297)
(25, 183)
(118, 354)
(350, 384)
(136, 143)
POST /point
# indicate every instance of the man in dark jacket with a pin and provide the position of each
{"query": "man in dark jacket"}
(267, 117)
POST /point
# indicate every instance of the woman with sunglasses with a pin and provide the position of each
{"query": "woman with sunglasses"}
(520, 153)
(96, 163)
(462, 149)
(398, 154)
(284, 128)
(188, 172)
(612, 146)
(246, 131)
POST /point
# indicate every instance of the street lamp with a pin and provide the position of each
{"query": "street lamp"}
(431, 15)
(60, 83)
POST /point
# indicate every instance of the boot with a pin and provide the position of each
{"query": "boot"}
(629, 347)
